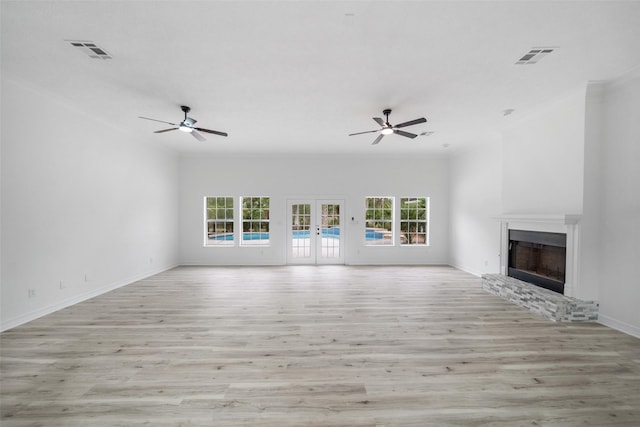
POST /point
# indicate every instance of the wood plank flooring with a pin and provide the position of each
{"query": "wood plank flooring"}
(314, 346)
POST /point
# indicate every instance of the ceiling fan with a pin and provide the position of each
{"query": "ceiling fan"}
(388, 129)
(187, 125)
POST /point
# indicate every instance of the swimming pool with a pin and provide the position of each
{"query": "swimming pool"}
(373, 234)
(332, 233)
(245, 236)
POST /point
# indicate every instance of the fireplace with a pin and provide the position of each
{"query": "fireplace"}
(542, 249)
(538, 258)
(566, 225)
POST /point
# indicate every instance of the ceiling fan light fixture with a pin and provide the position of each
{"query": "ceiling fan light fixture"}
(186, 126)
(387, 128)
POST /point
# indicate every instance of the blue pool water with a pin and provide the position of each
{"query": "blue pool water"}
(371, 234)
(255, 236)
(334, 232)
(245, 236)
(326, 232)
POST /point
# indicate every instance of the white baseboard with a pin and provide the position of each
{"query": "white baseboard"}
(43, 311)
(468, 270)
(618, 325)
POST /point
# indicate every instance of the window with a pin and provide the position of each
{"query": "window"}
(414, 220)
(219, 221)
(255, 220)
(379, 221)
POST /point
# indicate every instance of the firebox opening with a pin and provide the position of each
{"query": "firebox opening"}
(538, 258)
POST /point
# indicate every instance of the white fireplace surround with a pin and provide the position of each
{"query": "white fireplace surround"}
(568, 224)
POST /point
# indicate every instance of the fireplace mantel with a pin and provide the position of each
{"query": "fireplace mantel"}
(561, 219)
(568, 224)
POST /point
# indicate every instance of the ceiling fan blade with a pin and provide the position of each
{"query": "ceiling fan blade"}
(161, 121)
(197, 136)
(403, 133)
(360, 133)
(212, 131)
(379, 121)
(378, 139)
(411, 122)
(165, 130)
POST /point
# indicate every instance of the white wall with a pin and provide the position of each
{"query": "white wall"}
(476, 190)
(79, 199)
(590, 245)
(543, 158)
(620, 200)
(283, 177)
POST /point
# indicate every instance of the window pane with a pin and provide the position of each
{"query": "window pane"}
(414, 220)
(219, 221)
(379, 221)
(255, 220)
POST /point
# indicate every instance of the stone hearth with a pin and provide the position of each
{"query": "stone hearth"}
(549, 304)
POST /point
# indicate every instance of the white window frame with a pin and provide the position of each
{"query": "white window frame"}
(252, 221)
(387, 237)
(406, 238)
(224, 220)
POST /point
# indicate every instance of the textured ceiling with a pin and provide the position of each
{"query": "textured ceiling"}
(298, 77)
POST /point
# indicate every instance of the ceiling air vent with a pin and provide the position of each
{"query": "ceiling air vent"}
(90, 49)
(535, 55)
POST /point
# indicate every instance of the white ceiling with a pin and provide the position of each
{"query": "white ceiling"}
(298, 77)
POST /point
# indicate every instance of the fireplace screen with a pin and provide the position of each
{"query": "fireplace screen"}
(538, 258)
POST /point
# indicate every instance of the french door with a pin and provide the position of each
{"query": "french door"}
(315, 232)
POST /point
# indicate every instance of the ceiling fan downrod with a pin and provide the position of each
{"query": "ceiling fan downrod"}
(386, 113)
(186, 110)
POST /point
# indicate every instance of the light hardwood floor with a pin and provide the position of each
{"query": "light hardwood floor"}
(314, 346)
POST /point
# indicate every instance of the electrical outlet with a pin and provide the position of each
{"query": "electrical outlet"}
(31, 293)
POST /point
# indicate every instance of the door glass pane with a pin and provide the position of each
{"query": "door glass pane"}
(330, 230)
(300, 230)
